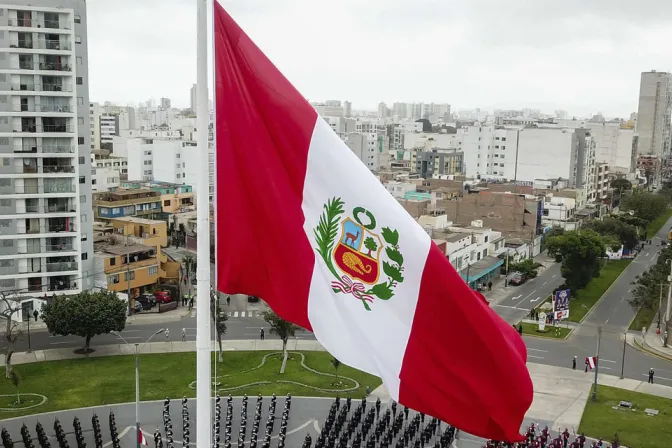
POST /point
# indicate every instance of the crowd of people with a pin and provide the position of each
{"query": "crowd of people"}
(370, 426)
(535, 437)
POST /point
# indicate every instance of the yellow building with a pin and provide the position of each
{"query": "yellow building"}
(125, 265)
(148, 232)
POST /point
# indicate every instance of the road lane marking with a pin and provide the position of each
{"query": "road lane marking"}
(530, 294)
(553, 276)
(535, 357)
(543, 283)
(132, 337)
(63, 342)
(605, 368)
(537, 350)
(534, 300)
(657, 377)
(511, 307)
(131, 331)
(516, 297)
(606, 360)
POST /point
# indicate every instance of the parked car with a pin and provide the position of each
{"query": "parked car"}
(163, 296)
(517, 279)
(138, 306)
(147, 300)
(252, 299)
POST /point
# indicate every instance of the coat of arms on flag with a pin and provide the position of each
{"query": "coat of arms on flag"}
(357, 251)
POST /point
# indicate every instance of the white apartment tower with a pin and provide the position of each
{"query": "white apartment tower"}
(193, 99)
(654, 113)
(46, 239)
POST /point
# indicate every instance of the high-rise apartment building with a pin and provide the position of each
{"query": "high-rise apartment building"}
(46, 238)
(193, 99)
(654, 113)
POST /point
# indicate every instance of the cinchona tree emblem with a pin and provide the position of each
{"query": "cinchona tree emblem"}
(353, 251)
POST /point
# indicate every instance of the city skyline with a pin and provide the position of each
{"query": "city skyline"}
(547, 56)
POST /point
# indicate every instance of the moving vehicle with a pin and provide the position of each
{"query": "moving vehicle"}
(517, 278)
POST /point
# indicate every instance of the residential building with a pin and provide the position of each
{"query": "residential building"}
(438, 162)
(175, 198)
(650, 167)
(125, 266)
(109, 172)
(45, 166)
(399, 189)
(347, 109)
(602, 181)
(109, 127)
(369, 148)
(614, 145)
(122, 203)
(165, 103)
(654, 113)
(383, 111)
(560, 212)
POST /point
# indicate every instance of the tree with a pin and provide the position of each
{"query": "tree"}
(336, 363)
(619, 230)
(189, 264)
(647, 206)
(283, 329)
(647, 286)
(87, 314)
(219, 318)
(527, 267)
(370, 244)
(621, 184)
(580, 254)
(16, 381)
(12, 332)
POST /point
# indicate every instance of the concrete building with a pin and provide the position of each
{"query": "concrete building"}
(438, 162)
(347, 109)
(124, 203)
(614, 145)
(109, 127)
(46, 239)
(654, 113)
(106, 178)
(193, 99)
(560, 212)
(175, 198)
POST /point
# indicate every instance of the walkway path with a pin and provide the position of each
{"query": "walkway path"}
(560, 393)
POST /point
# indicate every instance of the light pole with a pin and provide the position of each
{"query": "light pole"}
(625, 339)
(137, 380)
(597, 361)
(669, 294)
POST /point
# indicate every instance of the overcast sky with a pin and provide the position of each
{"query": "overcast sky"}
(582, 56)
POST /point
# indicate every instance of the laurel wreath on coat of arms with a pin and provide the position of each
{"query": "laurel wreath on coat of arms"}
(326, 236)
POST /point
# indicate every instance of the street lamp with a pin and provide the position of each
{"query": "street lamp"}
(137, 380)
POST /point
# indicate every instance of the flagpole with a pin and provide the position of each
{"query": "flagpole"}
(203, 345)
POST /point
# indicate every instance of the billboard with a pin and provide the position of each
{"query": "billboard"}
(561, 304)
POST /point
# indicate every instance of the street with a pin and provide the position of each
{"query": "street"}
(612, 312)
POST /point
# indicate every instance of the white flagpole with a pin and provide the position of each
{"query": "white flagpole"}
(203, 345)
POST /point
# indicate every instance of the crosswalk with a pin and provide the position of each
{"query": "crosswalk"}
(245, 314)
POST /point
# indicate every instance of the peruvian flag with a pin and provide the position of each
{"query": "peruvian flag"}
(302, 223)
(592, 361)
(141, 438)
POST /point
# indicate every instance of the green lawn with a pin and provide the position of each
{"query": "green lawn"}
(98, 381)
(658, 223)
(634, 428)
(550, 332)
(585, 298)
(644, 317)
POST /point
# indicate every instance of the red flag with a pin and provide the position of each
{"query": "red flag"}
(141, 438)
(303, 224)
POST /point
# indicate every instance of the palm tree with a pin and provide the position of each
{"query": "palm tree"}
(336, 363)
(219, 318)
(189, 264)
(283, 329)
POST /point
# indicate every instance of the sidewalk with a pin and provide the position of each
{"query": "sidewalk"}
(653, 343)
(560, 394)
(137, 319)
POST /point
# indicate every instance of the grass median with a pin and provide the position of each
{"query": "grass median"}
(551, 332)
(644, 317)
(654, 226)
(584, 299)
(634, 428)
(85, 382)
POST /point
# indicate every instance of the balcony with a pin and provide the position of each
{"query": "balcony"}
(27, 189)
(24, 65)
(62, 266)
(48, 149)
(53, 45)
(51, 87)
(58, 225)
(59, 247)
(57, 169)
(53, 24)
(41, 108)
(26, 23)
(49, 128)
(58, 188)
(21, 44)
(54, 66)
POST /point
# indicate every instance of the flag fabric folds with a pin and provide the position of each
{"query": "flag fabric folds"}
(302, 223)
(141, 438)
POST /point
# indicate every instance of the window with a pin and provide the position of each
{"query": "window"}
(5, 223)
(153, 270)
(78, 39)
(166, 203)
(85, 256)
(80, 101)
(80, 140)
(7, 283)
(503, 139)
(79, 80)
(79, 62)
(80, 120)
(126, 276)
(82, 160)
(78, 19)
(85, 236)
(82, 180)
(113, 279)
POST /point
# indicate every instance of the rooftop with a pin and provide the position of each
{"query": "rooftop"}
(454, 236)
(106, 248)
(137, 220)
(120, 195)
